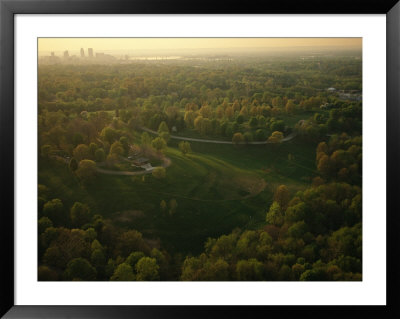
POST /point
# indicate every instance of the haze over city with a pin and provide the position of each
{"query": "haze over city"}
(191, 45)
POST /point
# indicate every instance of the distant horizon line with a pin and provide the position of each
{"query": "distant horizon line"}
(274, 48)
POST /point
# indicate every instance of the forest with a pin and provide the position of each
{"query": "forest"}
(201, 169)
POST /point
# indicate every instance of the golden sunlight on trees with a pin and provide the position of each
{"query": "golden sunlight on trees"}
(276, 137)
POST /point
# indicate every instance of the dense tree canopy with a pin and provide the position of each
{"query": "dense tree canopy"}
(287, 208)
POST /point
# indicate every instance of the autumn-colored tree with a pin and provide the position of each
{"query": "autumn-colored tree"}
(129, 241)
(324, 166)
(229, 112)
(282, 196)
(198, 122)
(290, 107)
(189, 118)
(81, 152)
(205, 111)
(276, 137)
(317, 181)
(237, 139)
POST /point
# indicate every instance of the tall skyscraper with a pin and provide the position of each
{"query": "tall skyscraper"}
(90, 52)
(82, 53)
(66, 54)
(52, 53)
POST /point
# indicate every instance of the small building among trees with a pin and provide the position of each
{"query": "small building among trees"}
(140, 161)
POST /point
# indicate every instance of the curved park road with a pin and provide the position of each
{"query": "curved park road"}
(166, 162)
(285, 139)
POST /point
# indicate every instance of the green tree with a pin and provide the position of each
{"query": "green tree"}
(134, 257)
(92, 149)
(80, 214)
(109, 134)
(54, 210)
(165, 136)
(147, 269)
(184, 147)
(163, 127)
(145, 138)
(98, 258)
(80, 269)
(261, 135)
(81, 152)
(159, 144)
(253, 122)
(248, 137)
(123, 272)
(73, 164)
(117, 149)
(129, 241)
(274, 215)
(43, 224)
(86, 171)
(100, 155)
(290, 107)
(125, 144)
(248, 270)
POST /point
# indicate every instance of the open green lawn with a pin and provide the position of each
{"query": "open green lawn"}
(217, 188)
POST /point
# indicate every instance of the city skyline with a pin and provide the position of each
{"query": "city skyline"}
(47, 45)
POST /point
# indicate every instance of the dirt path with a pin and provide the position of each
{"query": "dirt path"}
(287, 138)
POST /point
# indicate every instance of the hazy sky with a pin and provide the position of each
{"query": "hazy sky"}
(118, 44)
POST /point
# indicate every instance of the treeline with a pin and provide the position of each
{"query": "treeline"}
(102, 87)
(253, 100)
(343, 117)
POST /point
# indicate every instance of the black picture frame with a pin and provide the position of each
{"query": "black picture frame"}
(8, 8)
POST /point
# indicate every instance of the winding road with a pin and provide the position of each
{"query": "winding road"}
(166, 162)
(285, 139)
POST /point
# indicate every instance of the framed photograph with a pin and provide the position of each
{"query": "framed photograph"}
(186, 160)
